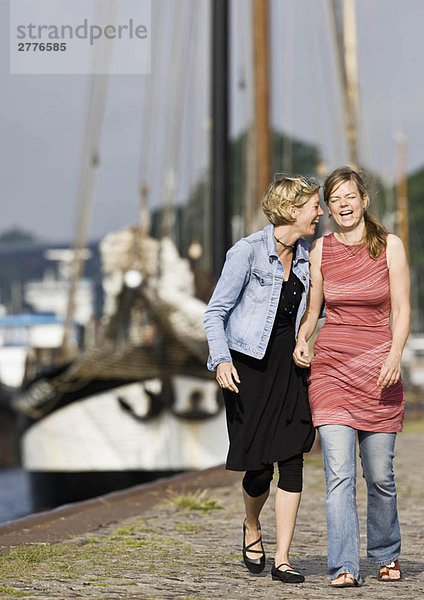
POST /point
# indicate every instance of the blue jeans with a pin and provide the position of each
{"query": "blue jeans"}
(376, 451)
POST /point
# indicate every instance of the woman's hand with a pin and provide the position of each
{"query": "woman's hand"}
(226, 374)
(390, 371)
(301, 354)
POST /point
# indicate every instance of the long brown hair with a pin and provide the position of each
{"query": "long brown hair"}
(375, 234)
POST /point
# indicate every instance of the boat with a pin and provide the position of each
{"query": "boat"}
(137, 404)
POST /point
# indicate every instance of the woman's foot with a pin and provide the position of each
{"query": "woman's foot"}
(390, 572)
(284, 572)
(253, 550)
(345, 580)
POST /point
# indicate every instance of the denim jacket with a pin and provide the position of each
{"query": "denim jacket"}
(241, 313)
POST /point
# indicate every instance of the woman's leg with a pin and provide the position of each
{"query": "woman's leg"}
(383, 532)
(287, 499)
(255, 493)
(339, 455)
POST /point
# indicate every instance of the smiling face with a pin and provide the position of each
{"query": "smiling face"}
(347, 206)
(307, 216)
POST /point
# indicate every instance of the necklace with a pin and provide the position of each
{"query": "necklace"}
(283, 244)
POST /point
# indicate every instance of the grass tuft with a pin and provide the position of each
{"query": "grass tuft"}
(31, 555)
(5, 589)
(195, 501)
(126, 530)
(91, 540)
(189, 527)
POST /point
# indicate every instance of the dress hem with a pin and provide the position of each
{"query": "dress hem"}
(357, 426)
(262, 465)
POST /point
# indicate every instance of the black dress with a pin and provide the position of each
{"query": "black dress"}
(269, 419)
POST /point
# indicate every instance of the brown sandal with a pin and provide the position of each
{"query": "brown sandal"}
(346, 580)
(384, 574)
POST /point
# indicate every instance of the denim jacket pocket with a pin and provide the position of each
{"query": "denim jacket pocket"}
(259, 282)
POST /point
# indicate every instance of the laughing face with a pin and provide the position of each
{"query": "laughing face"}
(307, 217)
(347, 206)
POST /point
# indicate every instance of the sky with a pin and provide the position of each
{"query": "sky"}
(42, 116)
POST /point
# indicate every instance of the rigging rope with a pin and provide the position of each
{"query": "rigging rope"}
(178, 56)
(89, 158)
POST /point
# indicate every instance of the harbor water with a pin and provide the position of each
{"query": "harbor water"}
(15, 497)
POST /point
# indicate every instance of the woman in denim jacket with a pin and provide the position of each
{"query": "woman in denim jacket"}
(251, 323)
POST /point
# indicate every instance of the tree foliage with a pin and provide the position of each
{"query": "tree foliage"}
(16, 234)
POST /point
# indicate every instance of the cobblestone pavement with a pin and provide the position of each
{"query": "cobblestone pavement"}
(193, 553)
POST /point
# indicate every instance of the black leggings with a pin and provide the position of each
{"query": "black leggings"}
(256, 483)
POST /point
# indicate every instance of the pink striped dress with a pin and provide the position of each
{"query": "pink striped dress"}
(353, 343)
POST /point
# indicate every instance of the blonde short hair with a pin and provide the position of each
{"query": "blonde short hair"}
(284, 193)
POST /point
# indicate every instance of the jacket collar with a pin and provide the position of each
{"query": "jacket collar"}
(302, 246)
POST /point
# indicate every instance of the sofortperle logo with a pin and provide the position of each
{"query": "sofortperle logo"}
(84, 31)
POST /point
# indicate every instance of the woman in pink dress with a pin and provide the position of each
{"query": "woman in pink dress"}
(355, 389)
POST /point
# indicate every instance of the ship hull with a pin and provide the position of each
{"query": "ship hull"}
(123, 436)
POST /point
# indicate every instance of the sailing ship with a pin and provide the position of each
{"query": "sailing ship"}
(138, 403)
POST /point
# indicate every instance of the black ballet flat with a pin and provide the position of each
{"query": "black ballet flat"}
(255, 565)
(288, 576)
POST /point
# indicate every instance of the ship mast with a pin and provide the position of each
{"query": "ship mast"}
(220, 194)
(351, 70)
(347, 68)
(402, 192)
(261, 78)
(89, 162)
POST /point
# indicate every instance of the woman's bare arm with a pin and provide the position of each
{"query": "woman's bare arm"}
(401, 310)
(313, 308)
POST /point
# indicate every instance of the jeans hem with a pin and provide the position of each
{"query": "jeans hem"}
(382, 563)
(346, 570)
